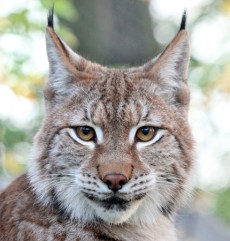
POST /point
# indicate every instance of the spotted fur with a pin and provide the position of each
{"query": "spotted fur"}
(63, 196)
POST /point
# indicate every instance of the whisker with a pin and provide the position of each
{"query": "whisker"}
(58, 175)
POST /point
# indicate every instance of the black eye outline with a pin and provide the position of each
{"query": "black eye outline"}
(155, 129)
(78, 128)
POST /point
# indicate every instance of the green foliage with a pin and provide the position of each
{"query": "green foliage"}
(223, 204)
(63, 9)
(11, 135)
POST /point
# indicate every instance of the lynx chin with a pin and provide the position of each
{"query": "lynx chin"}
(113, 159)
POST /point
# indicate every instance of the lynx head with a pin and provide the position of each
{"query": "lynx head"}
(115, 144)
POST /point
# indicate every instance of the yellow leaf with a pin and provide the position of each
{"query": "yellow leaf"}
(223, 80)
(225, 7)
(11, 165)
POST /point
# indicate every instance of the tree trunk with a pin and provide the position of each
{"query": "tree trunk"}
(114, 32)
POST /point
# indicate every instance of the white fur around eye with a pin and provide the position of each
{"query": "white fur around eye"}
(132, 134)
(90, 144)
(99, 134)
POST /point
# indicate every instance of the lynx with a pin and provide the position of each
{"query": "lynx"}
(113, 159)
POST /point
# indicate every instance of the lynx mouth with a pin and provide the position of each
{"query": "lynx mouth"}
(113, 202)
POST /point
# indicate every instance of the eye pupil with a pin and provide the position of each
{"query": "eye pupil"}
(145, 131)
(85, 130)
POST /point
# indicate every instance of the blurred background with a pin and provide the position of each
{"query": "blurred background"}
(125, 33)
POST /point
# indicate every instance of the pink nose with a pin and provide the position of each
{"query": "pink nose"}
(115, 181)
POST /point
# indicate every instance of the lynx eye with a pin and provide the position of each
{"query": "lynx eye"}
(145, 133)
(85, 133)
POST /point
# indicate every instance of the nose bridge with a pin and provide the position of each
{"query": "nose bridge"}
(115, 167)
(115, 163)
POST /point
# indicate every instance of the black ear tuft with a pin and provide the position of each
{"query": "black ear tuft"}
(50, 17)
(183, 21)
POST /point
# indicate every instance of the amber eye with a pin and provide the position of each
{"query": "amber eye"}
(85, 133)
(145, 133)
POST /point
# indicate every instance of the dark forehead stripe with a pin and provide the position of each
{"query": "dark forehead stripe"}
(127, 105)
(112, 89)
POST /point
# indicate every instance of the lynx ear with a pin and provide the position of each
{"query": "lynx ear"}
(65, 66)
(170, 69)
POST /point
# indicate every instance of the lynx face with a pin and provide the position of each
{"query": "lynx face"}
(115, 143)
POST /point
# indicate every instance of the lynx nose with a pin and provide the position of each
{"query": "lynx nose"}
(115, 181)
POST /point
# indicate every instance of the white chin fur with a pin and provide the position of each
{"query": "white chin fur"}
(115, 216)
